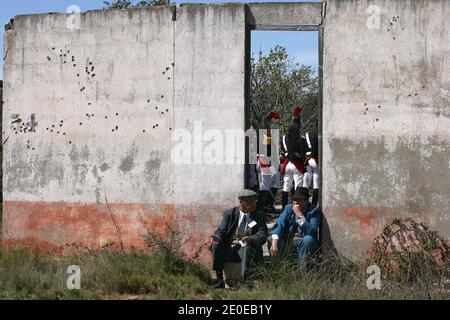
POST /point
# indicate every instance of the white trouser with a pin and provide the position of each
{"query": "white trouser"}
(291, 173)
(268, 181)
(312, 172)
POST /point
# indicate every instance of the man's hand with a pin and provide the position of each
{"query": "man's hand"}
(297, 209)
(235, 242)
(247, 239)
(274, 247)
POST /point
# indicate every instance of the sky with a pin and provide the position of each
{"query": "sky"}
(303, 46)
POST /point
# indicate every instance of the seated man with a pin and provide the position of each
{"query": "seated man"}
(240, 236)
(296, 229)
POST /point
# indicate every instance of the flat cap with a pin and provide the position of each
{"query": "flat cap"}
(246, 193)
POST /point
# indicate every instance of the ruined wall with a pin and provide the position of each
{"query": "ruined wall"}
(1, 147)
(90, 113)
(386, 118)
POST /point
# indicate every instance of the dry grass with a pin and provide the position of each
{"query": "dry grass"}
(168, 274)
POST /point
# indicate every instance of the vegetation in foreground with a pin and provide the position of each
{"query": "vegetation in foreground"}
(168, 274)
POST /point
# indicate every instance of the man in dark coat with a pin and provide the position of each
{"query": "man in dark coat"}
(240, 236)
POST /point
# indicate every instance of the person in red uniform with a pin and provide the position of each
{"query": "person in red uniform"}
(294, 148)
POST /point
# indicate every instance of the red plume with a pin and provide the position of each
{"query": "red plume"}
(297, 111)
(275, 115)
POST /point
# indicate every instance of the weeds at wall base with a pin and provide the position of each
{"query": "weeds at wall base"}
(168, 274)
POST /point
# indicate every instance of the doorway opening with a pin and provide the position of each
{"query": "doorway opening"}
(283, 73)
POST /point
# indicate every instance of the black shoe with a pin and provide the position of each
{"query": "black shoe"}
(220, 284)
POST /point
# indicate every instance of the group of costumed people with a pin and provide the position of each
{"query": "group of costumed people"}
(243, 231)
(299, 162)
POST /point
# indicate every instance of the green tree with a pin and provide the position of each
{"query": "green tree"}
(279, 84)
(123, 4)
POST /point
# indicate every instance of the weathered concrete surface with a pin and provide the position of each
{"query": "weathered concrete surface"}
(79, 131)
(105, 100)
(284, 14)
(1, 128)
(59, 228)
(209, 78)
(386, 142)
(209, 92)
(91, 100)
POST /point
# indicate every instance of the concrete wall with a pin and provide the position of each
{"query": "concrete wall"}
(83, 136)
(105, 100)
(1, 147)
(386, 118)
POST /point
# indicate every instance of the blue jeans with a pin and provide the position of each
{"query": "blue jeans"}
(305, 249)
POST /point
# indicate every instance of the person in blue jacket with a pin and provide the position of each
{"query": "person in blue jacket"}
(296, 229)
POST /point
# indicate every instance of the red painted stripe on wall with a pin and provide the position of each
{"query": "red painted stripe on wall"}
(59, 227)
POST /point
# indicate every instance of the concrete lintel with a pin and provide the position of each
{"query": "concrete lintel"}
(284, 13)
(275, 27)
